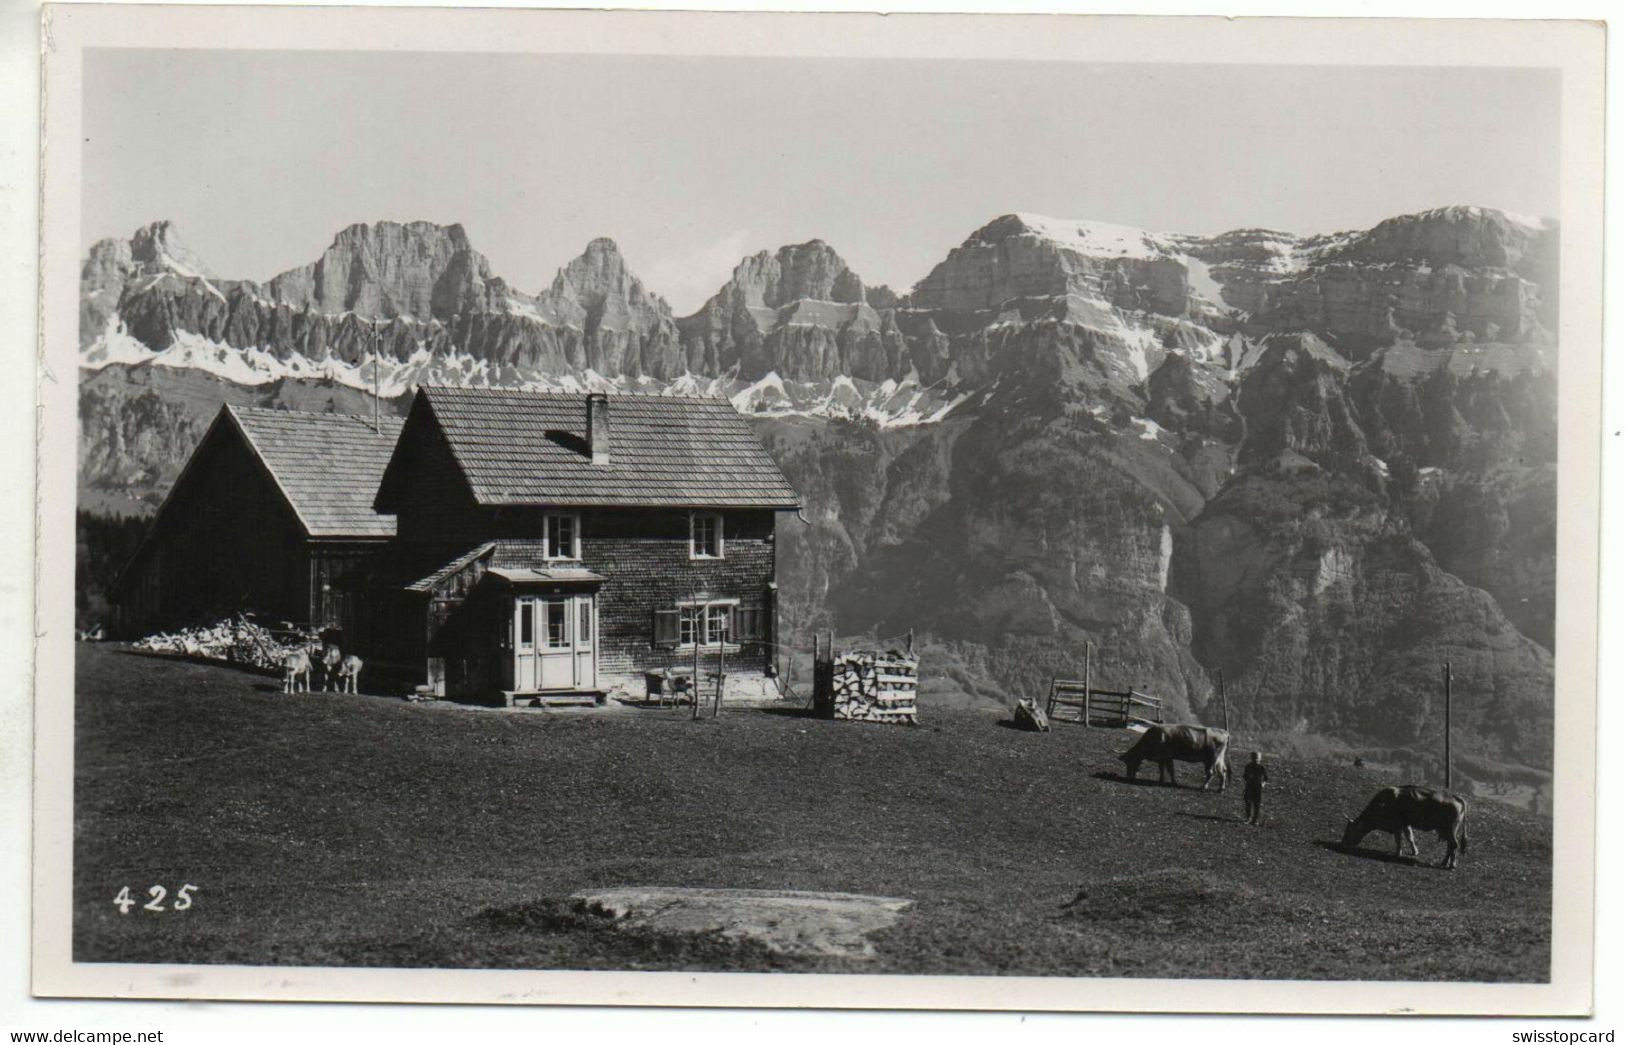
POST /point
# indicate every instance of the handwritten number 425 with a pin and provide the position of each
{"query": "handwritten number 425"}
(183, 899)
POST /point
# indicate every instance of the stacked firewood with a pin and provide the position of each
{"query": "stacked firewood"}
(872, 686)
(236, 640)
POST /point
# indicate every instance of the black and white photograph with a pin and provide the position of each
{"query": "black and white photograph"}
(951, 512)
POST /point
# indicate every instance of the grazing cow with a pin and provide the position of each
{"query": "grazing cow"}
(1399, 809)
(1166, 745)
(349, 674)
(330, 660)
(296, 671)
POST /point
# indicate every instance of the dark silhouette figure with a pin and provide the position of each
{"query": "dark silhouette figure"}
(1253, 778)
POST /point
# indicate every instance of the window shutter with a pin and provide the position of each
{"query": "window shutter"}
(747, 624)
(665, 627)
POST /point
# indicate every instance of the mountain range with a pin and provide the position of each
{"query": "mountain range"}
(1319, 465)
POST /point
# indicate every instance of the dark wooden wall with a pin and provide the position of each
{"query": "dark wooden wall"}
(642, 553)
(335, 602)
(225, 541)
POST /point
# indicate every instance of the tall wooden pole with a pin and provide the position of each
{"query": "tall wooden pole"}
(1088, 669)
(722, 675)
(694, 633)
(1224, 700)
(1447, 725)
(375, 392)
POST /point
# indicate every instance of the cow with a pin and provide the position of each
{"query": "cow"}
(1166, 745)
(1399, 809)
(349, 674)
(331, 659)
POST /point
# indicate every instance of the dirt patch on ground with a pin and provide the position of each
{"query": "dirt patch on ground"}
(793, 922)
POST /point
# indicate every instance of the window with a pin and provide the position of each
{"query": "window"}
(526, 624)
(748, 624)
(705, 536)
(717, 621)
(666, 627)
(584, 621)
(558, 624)
(708, 623)
(563, 539)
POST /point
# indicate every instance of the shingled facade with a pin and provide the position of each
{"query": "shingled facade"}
(559, 542)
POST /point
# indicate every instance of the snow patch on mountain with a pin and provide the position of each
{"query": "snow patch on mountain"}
(1201, 280)
(1099, 239)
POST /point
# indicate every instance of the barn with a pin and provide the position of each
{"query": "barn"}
(271, 513)
(502, 544)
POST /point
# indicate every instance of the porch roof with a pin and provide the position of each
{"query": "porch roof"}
(517, 576)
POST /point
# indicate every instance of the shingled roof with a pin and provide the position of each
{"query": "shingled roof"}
(327, 465)
(517, 447)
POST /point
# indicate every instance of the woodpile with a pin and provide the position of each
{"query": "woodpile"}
(236, 640)
(1030, 716)
(870, 686)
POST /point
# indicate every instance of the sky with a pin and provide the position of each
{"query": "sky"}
(691, 163)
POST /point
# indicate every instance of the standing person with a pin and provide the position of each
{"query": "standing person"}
(1253, 778)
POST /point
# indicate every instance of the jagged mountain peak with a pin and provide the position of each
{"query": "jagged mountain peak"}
(812, 270)
(601, 268)
(600, 265)
(388, 235)
(390, 269)
(597, 290)
(156, 246)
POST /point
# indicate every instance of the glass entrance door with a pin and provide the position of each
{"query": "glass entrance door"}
(554, 642)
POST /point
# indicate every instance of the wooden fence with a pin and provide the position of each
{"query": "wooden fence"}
(1074, 701)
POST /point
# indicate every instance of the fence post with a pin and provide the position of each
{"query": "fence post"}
(1447, 725)
(1088, 650)
(1224, 699)
(694, 683)
(722, 677)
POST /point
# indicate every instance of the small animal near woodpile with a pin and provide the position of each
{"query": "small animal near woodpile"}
(869, 686)
(296, 671)
(349, 674)
(1030, 716)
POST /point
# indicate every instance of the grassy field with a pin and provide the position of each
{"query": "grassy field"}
(326, 830)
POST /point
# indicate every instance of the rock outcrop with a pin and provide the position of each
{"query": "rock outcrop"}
(414, 293)
(799, 313)
(1326, 614)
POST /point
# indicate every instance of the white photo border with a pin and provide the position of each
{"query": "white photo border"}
(1574, 47)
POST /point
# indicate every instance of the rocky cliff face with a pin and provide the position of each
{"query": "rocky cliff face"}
(1321, 465)
(1452, 276)
(418, 270)
(417, 294)
(800, 314)
(1326, 614)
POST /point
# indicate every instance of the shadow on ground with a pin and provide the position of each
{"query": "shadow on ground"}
(1379, 855)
